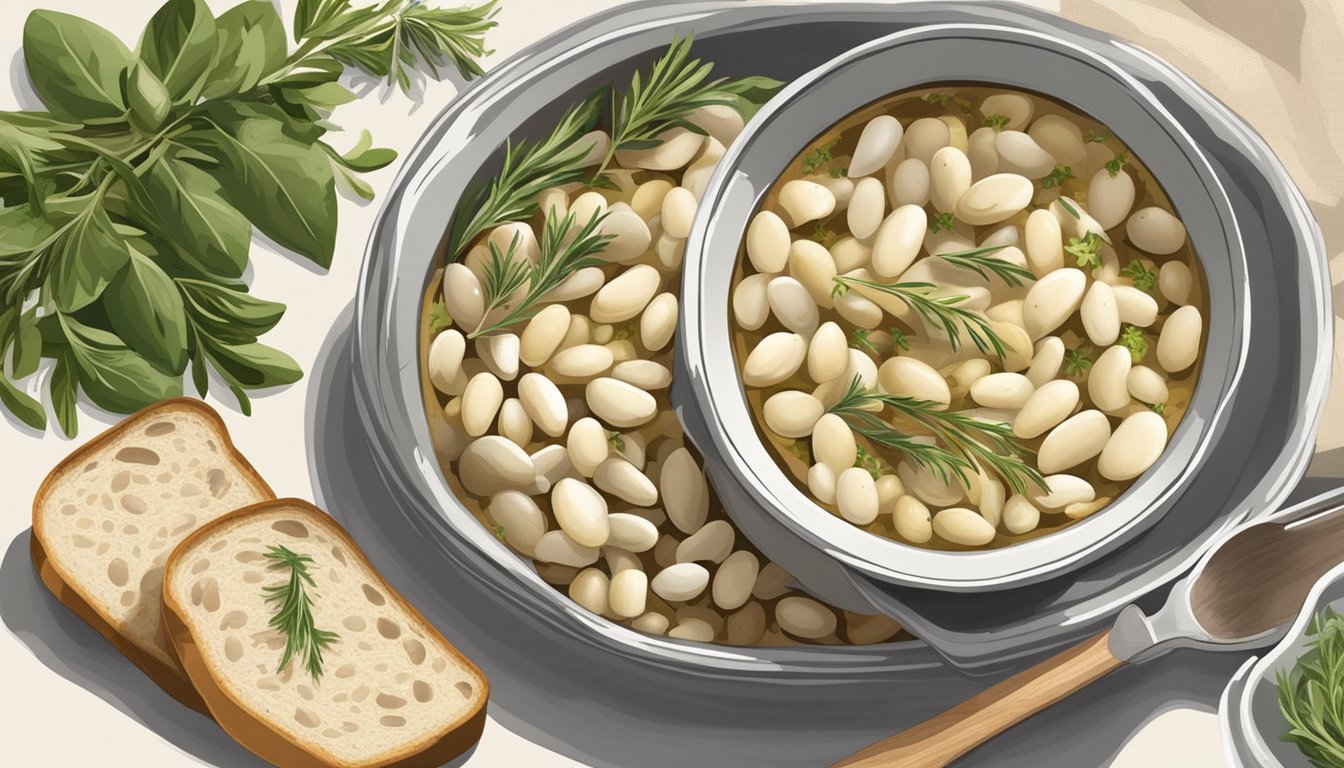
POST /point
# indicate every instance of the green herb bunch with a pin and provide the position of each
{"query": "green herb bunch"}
(1311, 694)
(127, 207)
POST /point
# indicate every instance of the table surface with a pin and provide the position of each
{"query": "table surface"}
(69, 675)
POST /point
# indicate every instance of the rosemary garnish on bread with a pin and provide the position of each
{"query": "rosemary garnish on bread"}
(294, 617)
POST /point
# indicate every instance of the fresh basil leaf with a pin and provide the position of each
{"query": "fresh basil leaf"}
(249, 44)
(211, 235)
(85, 258)
(64, 393)
(75, 65)
(112, 375)
(22, 405)
(178, 45)
(21, 231)
(145, 309)
(253, 366)
(147, 99)
(285, 187)
(27, 346)
(223, 309)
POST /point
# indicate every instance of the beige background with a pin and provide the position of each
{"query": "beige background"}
(1277, 63)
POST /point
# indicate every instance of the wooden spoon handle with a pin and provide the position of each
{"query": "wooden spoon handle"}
(945, 737)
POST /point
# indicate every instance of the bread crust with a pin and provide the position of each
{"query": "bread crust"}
(249, 729)
(172, 680)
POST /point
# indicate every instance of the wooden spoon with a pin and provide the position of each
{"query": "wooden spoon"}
(1243, 594)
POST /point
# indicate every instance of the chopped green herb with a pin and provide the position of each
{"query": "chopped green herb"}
(1311, 694)
(1057, 177)
(439, 319)
(867, 461)
(1071, 210)
(858, 339)
(1132, 338)
(1096, 138)
(818, 158)
(943, 221)
(997, 122)
(940, 99)
(615, 441)
(498, 530)
(1086, 249)
(1114, 165)
(1078, 360)
(1158, 408)
(801, 450)
(898, 338)
(823, 235)
(839, 172)
(1143, 278)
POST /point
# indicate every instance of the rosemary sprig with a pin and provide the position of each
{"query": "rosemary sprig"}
(1311, 694)
(1143, 278)
(560, 257)
(970, 442)
(1058, 176)
(983, 264)
(934, 310)
(294, 617)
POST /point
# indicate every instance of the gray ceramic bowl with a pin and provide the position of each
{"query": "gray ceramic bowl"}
(826, 553)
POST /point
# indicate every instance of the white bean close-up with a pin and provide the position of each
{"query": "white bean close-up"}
(966, 316)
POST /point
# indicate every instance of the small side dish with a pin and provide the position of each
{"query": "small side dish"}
(966, 316)
(1311, 694)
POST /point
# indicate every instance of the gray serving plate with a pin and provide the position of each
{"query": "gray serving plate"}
(780, 707)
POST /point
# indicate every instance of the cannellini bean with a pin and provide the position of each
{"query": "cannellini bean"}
(695, 630)
(1101, 315)
(827, 353)
(1135, 445)
(1178, 344)
(1046, 361)
(791, 413)
(720, 121)
(771, 582)
(751, 303)
(1021, 152)
(584, 282)
(587, 206)
(1052, 300)
(1135, 307)
(480, 403)
(926, 136)
(929, 487)
(1076, 222)
(648, 198)
(912, 521)
(775, 358)
(669, 250)
(949, 178)
(587, 445)
(590, 589)
(1109, 198)
(811, 264)
(1016, 343)
(521, 519)
(841, 187)
(1045, 243)
(631, 235)
(712, 543)
(1154, 230)
(1079, 510)
(1175, 281)
(622, 559)
(994, 198)
(553, 201)
(678, 212)
(645, 374)
(963, 375)
(856, 496)
(950, 241)
(633, 450)
(889, 489)
(1003, 236)
(908, 183)
(1063, 490)
(625, 296)
(912, 377)
(962, 526)
(1014, 106)
(867, 630)
(821, 481)
(685, 495)
(680, 582)
(1002, 390)
(543, 334)
(462, 295)
(658, 322)
(734, 579)
(877, 143)
(445, 359)
(518, 236)
(552, 463)
(1019, 515)
(768, 243)
(675, 148)
(514, 422)
(849, 253)
(631, 532)
(582, 361)
(805, 201)
(1060, 137)
(983, 152)
(792, 305)
(804, 617)
(898, 240)
(602, 334)
(833, 443)
(1107, 381)
(651, 623)
(1049, 405)
(557, 547)
(492, 463)
(621, 479)
(1079, 438)
(618, 403)
(581, 512)
(500, 354)
(866, 208)
(628, 593)
(1146, 385)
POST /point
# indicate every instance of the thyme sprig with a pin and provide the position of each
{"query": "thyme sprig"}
(941, 311)
(294, 616)
(1311, 694)
(1057, 177)
(1116, 163)
(1086, 249)
(981, 262)
(1143, 278)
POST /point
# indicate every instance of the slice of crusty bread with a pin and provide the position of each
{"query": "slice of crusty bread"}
(106, 518)
(393, 691)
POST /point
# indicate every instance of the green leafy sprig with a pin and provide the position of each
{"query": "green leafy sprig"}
(996, 121)
(1311, 694)
(1086, 249)
(1144, 279)
(869, 462)
(941, 311)
(1116, 163)
(1133, 339)
(943, 221)
(1078, 361)
(981, 262)
(818, 159)
(1096, 138)
(1057, 177)
(127, 208)
(294, 612)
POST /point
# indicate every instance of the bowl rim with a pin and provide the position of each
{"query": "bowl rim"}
(889, 560)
